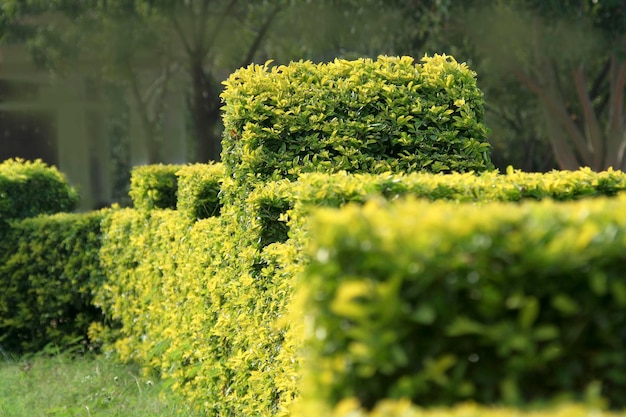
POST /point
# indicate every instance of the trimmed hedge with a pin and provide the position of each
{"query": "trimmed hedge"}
(29, 188)
(403, 408)
(139, 252)
(208, 302)
(186, 302)
(359, 116)
(49, 271)
(269, 206)
(154, 186)
(199, 186)
(221, 287)
(492, 302)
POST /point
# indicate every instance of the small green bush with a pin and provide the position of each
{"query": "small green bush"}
(50, 270)
(359, 116)
(199, 187)
(440, 302)
(29, 188)
(154, 186)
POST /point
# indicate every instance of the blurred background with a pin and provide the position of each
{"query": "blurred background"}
(96, 87)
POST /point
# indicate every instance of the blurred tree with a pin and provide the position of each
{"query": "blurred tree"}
(214, 36)
(124, 40)
(442, 26)
(571, 56)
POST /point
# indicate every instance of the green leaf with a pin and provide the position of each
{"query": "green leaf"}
(565, 304)
(598, 282)
(424, 314)
(529, 312)
(463, 326)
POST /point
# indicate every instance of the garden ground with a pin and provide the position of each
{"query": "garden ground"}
(63, 385)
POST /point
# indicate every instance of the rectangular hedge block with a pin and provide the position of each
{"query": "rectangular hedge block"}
(199, 189)
(440, 302)
(389, 114)
(48, 273)
(29, 188)
(209, 302)
(154, 186)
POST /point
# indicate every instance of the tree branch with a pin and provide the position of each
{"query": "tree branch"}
(617, 130)
(590, 119)
(216, 30)
(563, 152)
(595, 89)
(201, 25)
(260, 35)
(147, 124)
(557, 110)
(618, 82)
(165, 79)
(181, 34)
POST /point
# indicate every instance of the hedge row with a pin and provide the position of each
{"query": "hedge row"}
(403, 408)
(49, 270)
(187, 302)
(197, 301)
(207, 299)
(29, 188)
(46, 286)
(218, 291)
(388, 114)
(496, 303)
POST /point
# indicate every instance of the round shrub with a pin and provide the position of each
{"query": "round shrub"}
(29, 188)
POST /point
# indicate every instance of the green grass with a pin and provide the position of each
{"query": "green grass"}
(64, 385)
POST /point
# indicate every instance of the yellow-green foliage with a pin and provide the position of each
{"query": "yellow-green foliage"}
(31, 317)
(29, 188)
(198, 190)
(189, 307)
(218, 291)
(269, 206)
(403, 408)
(511, 186)
(48, 272)
(139, 252)
(154, 186)
(442, 302)
(389, 114)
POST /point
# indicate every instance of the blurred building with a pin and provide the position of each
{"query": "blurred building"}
(63, 122)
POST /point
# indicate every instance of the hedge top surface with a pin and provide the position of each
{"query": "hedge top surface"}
(389, 114)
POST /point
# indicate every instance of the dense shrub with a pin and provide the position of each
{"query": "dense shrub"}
(359, 116)
(206, 302)
(48, 275)
(29, 188)
(139, 252)
(199, 187)
(490, 302)
(154, 187)
(403, 408)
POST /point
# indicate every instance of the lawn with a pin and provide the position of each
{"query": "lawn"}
(63, 385)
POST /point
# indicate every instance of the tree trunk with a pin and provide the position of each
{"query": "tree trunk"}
(616, 146)
(205, 111)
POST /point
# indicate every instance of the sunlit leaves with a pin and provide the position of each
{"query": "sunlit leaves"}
(492, 302)
(364, 115)
(48, 271)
